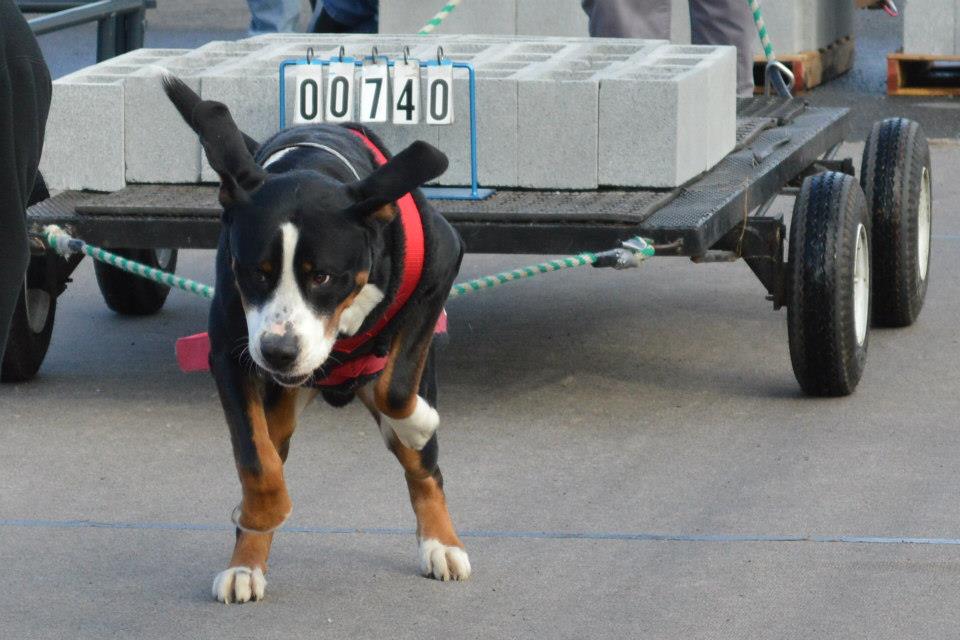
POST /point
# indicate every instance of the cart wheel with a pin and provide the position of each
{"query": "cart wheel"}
(131, 295)
(32, 324)
(896, 181)
(828, 318)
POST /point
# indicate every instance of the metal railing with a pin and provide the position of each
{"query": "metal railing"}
(120, 23)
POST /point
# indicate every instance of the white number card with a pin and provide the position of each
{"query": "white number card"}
(374, 93)
(406, 92)
(439, 94)
(309, 97)
(340, 82)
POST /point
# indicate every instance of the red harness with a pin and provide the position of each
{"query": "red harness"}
(193, 351)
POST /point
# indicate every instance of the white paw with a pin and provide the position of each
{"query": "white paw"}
(239, 584)
(439, 561)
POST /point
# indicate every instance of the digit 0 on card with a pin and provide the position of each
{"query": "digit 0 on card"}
(340, 86)
(308, 100)
(439, 90)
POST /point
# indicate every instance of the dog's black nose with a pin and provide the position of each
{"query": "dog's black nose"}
(279, 351)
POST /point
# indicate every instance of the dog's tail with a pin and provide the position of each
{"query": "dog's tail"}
(187, 101)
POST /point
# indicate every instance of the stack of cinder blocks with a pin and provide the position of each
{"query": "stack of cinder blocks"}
(807, 25)
(932, 27)
(552, 113)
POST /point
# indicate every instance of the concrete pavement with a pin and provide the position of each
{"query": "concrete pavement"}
(591, 404)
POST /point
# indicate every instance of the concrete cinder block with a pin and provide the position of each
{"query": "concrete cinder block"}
(718, 67)
(84, 141)
(488, 16)
(930, 26)
(692, 115)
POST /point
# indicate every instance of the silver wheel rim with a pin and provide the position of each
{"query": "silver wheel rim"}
(37, 306)
(861, 285)
(164, 256)
(924, 216)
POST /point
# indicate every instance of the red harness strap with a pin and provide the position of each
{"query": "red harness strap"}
(193, 351)
(413, 254)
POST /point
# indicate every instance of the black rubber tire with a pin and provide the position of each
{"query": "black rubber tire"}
(896, 162)
(26, 348)
(827, 357)
(131, 295)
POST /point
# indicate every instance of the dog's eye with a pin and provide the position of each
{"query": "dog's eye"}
(261, 276)
(321, 279)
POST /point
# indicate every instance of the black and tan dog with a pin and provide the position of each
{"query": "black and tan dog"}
(332, 272)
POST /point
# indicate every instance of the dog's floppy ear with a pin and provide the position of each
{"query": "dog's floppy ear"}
(417, 164)
(227, 148)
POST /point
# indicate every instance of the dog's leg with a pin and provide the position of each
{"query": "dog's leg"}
(261, 422)
(406, 397)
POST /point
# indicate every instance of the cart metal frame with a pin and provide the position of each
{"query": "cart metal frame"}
(718, 216)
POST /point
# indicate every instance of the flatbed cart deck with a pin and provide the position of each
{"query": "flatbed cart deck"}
(720, 215)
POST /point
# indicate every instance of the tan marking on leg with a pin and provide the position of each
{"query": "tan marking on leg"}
(381, 390)
(266, 503)
(252, 550)
(427, 498)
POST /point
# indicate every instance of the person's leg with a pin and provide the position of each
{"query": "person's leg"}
(727, 22)
(629, 18)
(274, 16)
(24, 103)
(345, 16)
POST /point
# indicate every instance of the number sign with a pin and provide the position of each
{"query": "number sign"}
(406, 92)
(374, 93)
(309, 97)
(440, 94)
(339, 102)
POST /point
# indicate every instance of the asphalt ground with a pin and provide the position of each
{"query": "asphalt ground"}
(626, 454)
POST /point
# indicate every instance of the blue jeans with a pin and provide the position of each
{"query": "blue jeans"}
(274, 16)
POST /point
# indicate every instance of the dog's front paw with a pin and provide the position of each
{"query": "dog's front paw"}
(239, 584)
(443, 562)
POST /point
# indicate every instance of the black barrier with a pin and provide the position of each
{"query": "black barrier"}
(120, 23)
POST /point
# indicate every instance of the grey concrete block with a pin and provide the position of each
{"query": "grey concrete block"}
(930, 26)
(159, 147)
(486, 17)
(686, 117)
(718, 68)
(84, 141)
(551, 18)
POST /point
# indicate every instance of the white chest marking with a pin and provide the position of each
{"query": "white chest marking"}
(354, 315)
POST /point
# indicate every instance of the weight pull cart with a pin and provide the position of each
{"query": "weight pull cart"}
(858, 250)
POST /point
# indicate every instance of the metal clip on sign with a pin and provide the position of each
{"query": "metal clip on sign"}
(474, 191)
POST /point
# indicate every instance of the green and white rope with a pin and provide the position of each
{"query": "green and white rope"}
(64, 244)
(438, 19)
(61, 242)
(488, 282)
(762, 30)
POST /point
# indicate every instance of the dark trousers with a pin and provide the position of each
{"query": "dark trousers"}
(718, 22)
(24, 103)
